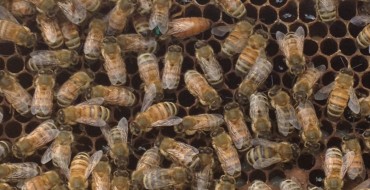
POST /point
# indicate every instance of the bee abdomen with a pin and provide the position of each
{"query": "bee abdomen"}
(246, 60)
(363, 38)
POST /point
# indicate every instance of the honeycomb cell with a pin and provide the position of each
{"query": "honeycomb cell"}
(277, 3)
(366, 158)
(15, 64)
(307, 11)
(227, 19)
(168, 132)
(212, 12)
(6, 113)
(289, 12)
(25, 79)
(359, 63)
(7, 48)
(316, 177)
(215, 46)
(252, 11)
(338, 62)
(334, 142)
(31, 126)
(365, 80)
(62, 77)
(272, 48)
(93, 131)
(13, 129)
(350, 116)
(347, 10)
(258, 2)
(278, 27)
(225, 64)
(232, 80)
(2, 64)
(241, 180)
(193, 11)
(310, 47)
(318, 30)
(288, 80)
(320, 60)
(257, 175)
(202, 2)
(267, 14)
(195, 110)
(276, 176)
(84, 144)
(326, 128)
(354, 30)
(272, 80)
(338, 29)
(279, 64)
(328, 46)
(102, 79)
(347, 46)
(190, 48)
(186, 99)
(21, 118)
(343, 127)
(140, 145)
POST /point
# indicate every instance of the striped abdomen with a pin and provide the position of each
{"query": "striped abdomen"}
(338, 100)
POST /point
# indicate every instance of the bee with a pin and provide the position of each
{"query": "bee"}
(248, 57)
(357, 167)
(5, 149)
(81, 167)
(340, 93)
(198, 87)
(94, 39)
(89, 112)
(70, 34)
(49, 59)
(365, 106)
(291, 44)
(50, 31)
(327, 10)
(60, 150)
(266, 153)
(5, 186)
(47, 180)
(14, 93)
(260, 185)
(158, 20)
(162, 178)
(90, 5)
(256, 76)
(226, 152)
(119, 15)
(136, 43)
(237, 127)
(233, 8)
(209, 64)
(203, 178)
(42, 102)
(73, 87)
(15, 172)
(362, 39)
(335, 167)
(307, 118)
(22, 8)
(259, 114)
(113, 95)
(237, 39)
(144, 7)
(290, 184)
(141, 24)
(48, 7)
(226, 182)
(172, 67)
(101, 177)
(187, 27)
(11, 30)
(302, 88)
(113, 61)
(120, 180)
(73, 10)
(149, 74)
(366, 136)
(199, 123)
(363, 186)
(285, 112)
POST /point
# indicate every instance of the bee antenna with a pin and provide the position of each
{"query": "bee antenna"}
(343, 62)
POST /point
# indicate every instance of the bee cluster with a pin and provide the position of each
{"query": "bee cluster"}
(184, 94)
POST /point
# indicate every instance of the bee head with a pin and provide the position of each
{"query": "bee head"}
(134, 128)
(295, 150)
(312, 146)
(274, 91)
(205, 150)
(231, 105)
(241, 98)
(215, 101)
(366, 134)
(227, 178)
(347, 71)
(120, 172)
(31, 40)
(333, 183)
(53, 177)
(74, 57)
(88, 93)
(120, 162)
(297, 68)
(78, 182)
(20, 148)
(60, 117)
(217, 131)
(175, 48)
(109, 40)
(348, 137)
(300, 96)
(199, 44)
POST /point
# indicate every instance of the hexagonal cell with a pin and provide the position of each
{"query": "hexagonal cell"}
(338, 29)
(338, 62)
(212, 12)
(310, 47)
(277, 3)
(359, 63)
(316, 177)
(15, 64)
(7, 48)
(347, 10)
(347, 46)
(328, 46)
(289, 12)
(257, 175)
(307, 11)
(13, 129)
(306, 161)
(267, 15)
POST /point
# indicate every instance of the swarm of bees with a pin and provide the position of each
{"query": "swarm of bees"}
(261, 125)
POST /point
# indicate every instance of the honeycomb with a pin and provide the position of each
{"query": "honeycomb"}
(332, 45)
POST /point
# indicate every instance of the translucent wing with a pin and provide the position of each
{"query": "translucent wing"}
(149, 96)
(347, 161)
(321, 68)
(363, 185)
(105, 131)
(47, 156)
(327, 5)
(263, 162)
(73, 10)
(360, 20)
(293, 118)
(158, 178)
(263, 142)
(174, 120)
(216, 118)
(353, 102)
(50, 30)
(6, 15)
(93, 101)
(44, 57)
(212, 68)
(123, 127)
(286, 120)
(280, 39)
(221, 30)
(96, 122)
(94, 160)
(324, 92)
(300, 35)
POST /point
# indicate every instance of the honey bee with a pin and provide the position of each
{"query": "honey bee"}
(248, 57)
(47, 180)
(101, 175)
(94, 39)
(144, 7)
(48, 7)
(50, 31)
(113, 95)
(89, 112)
(158, 20)
(81, 167)
(203, 178)
(302, 89)
(362, 38)
(119, 15)
(233, 8)
(14, 93)
(266, 153)
(260, 185)
(136, 43)
(5, 186)
(70, 34)
(198, 87)
(113, 61)
(73, 10)
(290, 184)
(307, 118)
(254, 79)
(209, 64)
(187, 27)
(90, 5)
(339, 94)
(237, 127)
(291, 44)
(141, 24)
(357, 167)
(15, 172)
(162, 178)
(120, 180)
(73, 87)
(42, 102)
(11, 30)
(365, 106)
(172, 67)
(5, 149)
(366, 136)
(226, 183)
(226, 152)
(237, 39)
(327, 10)
(22, 8)
(363, 186)
(199, 123)
(285, 113)
(335, 167)
(259, 113)
(60, 150)
(43, 59)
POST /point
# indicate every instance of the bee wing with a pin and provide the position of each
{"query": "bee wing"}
(360, 20)
(93, 101)
(205, 124)
(171, 121)
(123, 127)
(221, 30)
(73, 10)
(6, 15)
(321, 68)
(149, 96)
(324, 92)
(212, 67)
(47, 156)
(94, 160)
(105, 130)
(353, 102)
(96, 122)
(347, 161)
(280, 40)
(50, 30)
(44, 57)
(293, 118)
(178, 27)
(263, 142)
(1, 116)
(286, 119)
(327, 5)
(300, 35)
(266, 162)
(363, 185)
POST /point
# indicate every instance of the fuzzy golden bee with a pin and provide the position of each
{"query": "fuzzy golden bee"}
(89, 112)
(94, 39)
(199, 123)
(203, 179)
(120, 180)
(362, 38)
(291, 44)
(50, 59)
(233, 8)
(73, 87)
(14, 93)
(73, 11)
(16, 172)
(302, 89)
(22, 8)
(266, 153)
(50, 31)
(101, 175)
(237, 127)
(119, 15)
(365, 106)
(162, 178)
(70, 34)
(226, 152)
(5, 149)
(210, 66)
(198, 87)
(187, 27)
(226, 183)
(113, 61)
(340, 93)
(259, 185)
(5, 186)
(113, 95)
(42, 102)
(90, 5)
(47, 180)
(366, 136)
(327, 10)
(259, 114)
(144, 6)
(290, 184)
(159, 17)
(136, 43)
(141, 24)
(151, 159)
(357, 167)
(172, 67)
(48, 7)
